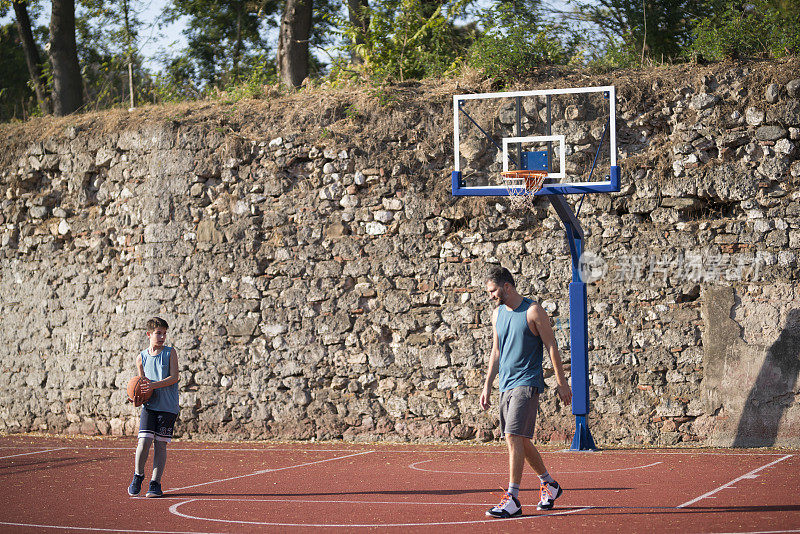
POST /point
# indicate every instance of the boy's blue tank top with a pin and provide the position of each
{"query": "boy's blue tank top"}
(157, 368)
(520, 350)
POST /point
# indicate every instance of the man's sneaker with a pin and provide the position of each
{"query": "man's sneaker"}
(548, 492)
(155, 489)
(136, 485)
(509, 507)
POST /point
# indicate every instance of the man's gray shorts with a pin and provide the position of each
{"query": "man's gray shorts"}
(518, 407)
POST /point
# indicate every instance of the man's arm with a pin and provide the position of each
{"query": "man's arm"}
(494, 364)
(539, 322)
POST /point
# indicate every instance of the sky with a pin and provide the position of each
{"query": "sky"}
(152, 40)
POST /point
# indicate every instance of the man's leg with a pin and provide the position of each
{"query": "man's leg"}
(517, 453)
(534, 458)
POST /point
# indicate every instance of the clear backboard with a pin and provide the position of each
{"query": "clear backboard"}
(570, 133)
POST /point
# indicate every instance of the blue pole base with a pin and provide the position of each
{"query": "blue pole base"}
(583, 438)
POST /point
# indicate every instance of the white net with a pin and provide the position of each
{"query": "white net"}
(522, 186)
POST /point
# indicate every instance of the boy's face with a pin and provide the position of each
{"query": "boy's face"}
(157, 338)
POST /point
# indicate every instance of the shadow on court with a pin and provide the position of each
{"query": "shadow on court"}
(773, 391)
(440, 493)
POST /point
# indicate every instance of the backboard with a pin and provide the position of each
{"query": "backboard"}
(570, 133)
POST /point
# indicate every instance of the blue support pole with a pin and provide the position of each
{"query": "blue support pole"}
(578, 330)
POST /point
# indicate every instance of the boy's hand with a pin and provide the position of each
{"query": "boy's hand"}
(145, 385)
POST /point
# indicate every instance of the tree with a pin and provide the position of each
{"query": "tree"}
(768, 28)
(16, 97)
(658, 29)
(31, 50)
(108, 33)
(223, 36)
(293, 38)
(67, 82)
(358, 12)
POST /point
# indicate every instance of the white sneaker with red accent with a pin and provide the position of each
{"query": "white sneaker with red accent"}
(509, 507)
(548, 494)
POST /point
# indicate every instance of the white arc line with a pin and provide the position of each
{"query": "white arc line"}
(174, 510)
(751, 474)
(34, 452)
(261, 472)
(97, 529)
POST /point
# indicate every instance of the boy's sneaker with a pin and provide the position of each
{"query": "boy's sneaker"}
(548, 492)
(154, 490)
(136, 485)
(509, 507)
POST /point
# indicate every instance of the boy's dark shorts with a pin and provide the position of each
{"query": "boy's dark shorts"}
(157, 425)
(518, 407)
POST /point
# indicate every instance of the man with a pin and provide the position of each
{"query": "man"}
(520, 332)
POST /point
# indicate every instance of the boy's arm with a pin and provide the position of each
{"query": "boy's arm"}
(174, 375)
(140, 372)
(491, 371)
(541, 322)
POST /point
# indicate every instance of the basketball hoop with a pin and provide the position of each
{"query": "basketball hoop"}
(522, 185)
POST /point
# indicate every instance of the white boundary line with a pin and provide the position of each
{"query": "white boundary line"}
(415, 464)
(174, 510)
(98, 529)
(661, 452)
(751, 474)
(29, 453)
(261, 472)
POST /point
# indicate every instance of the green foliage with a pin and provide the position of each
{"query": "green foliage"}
(629, 32)
(756, 28)
(405, 39)
(514, 45)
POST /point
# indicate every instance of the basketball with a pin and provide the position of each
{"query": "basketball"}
(135, 393)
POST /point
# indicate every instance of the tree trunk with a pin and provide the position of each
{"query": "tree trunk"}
(31, 54)
(359, 18)
(292, 60)
(67, 82)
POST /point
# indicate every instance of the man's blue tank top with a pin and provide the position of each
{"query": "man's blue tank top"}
(520, 350)
(157, 368)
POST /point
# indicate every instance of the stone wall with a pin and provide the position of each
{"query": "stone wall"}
(321, 283)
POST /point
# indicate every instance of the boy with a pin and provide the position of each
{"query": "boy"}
(159, 365)
(520, 334)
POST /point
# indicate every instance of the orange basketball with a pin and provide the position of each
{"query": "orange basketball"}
(135, 392)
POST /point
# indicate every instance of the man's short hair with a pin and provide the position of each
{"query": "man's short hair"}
(500, 276)
(156, 322)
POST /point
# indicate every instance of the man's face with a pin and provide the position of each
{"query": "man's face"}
(157, 337)
(496, 292)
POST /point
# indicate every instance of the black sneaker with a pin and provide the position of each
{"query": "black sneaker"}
(509, 507)
(136, 485)
(548, 492)
(154, 490)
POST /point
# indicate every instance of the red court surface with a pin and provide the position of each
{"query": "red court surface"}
(80, 485)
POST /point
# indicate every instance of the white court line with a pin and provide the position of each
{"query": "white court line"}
(29, 453)
(174, 509)
(97, 529)
(751, 474)
(175, 448)
(261, 472)
(415, 464)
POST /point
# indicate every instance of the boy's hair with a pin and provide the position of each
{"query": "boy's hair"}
(156, 322)
(500, 276)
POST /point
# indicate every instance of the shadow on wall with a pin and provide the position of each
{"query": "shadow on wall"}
(773, 391)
